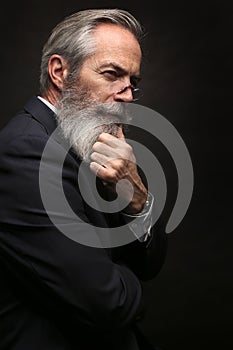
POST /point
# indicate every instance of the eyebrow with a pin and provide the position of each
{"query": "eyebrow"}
(120, 70)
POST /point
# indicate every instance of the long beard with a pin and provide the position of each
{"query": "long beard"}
(83, 119)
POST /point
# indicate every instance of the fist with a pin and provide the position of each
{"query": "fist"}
(113, 160)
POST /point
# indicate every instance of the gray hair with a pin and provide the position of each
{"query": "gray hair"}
(72, 38)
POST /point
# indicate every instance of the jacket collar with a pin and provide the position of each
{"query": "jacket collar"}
(42, 113)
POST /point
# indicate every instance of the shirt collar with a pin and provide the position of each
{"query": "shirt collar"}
(52, 107)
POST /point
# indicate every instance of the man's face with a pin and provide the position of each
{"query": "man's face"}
(89, 106)
(115, 64)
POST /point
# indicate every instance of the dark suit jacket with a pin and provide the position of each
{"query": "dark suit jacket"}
(58, 294)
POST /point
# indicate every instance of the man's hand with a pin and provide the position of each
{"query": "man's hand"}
(113, 160)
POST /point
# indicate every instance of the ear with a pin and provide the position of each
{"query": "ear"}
(58, 70)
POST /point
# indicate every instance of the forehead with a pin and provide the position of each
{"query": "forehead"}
(117, 44)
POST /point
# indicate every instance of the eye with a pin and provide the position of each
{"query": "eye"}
(110, 74)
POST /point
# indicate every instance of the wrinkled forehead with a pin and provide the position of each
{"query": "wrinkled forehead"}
(114, 43)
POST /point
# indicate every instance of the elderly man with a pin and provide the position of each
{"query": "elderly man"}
(60, 291)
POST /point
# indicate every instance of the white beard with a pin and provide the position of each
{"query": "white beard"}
(82, 119)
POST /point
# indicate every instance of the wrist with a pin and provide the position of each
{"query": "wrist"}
(138, 207)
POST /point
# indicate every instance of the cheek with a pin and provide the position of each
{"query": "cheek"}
(109, 98)
(101, 95)
(96, 89)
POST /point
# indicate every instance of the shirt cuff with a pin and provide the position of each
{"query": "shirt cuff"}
(140, 224)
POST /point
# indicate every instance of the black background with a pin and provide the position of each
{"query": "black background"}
(187, 77)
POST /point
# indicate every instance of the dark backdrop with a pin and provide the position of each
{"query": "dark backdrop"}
(188, 79)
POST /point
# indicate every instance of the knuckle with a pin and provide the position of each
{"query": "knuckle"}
(118, 164)
(128, 148)
(93, 155)
(113, 176)
(121, 163)
(127, 152)
(96, 145)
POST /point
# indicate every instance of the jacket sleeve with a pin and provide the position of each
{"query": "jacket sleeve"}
(57, 275)
(145, 259)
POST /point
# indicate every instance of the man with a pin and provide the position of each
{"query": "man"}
(58, 292)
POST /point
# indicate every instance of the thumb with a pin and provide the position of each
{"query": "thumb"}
(120, 134)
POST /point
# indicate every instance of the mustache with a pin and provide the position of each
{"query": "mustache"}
(82, 120)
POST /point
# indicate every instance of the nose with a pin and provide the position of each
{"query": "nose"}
(124, 95)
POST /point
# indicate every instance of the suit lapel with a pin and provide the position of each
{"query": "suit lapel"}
(42, 113)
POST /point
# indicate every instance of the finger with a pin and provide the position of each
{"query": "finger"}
(108, 175)
(110, 140)
(95, 167)
(108, 162)
(99, 158)
(105, 149)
